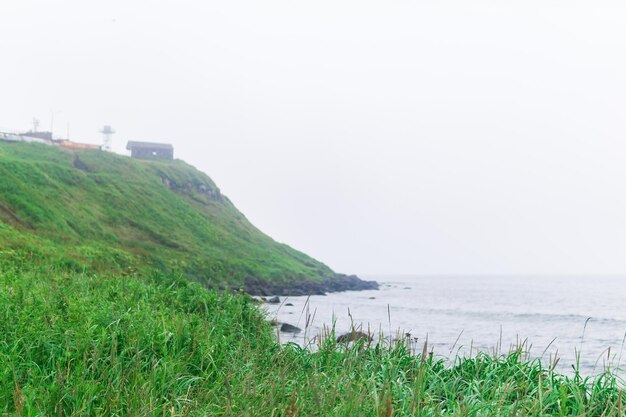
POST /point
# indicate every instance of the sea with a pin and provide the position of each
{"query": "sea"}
(581, 320)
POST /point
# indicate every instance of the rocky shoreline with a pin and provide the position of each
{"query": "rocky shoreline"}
(337, 283)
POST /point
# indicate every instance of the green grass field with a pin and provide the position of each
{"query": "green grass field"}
(74, 344)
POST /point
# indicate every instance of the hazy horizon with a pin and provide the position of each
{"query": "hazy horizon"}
(393, 138)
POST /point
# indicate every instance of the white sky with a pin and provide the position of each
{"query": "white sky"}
(380, 137)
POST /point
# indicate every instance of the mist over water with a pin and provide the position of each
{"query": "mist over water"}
(459, 313)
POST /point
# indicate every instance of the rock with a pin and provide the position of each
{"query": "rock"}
(80, 164)
(210, 191)
(353, 337)
(336, 283)
(288, 328)
(372, 298)
(274, 300)
(289, 305)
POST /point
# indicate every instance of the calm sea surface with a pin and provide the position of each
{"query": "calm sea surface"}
(459, 313)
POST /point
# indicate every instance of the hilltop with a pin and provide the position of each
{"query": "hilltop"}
(88, 210)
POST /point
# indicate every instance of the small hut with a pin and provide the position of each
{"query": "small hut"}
(150, 150)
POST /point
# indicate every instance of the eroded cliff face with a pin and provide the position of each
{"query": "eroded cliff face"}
(335, 283)
(207, 190)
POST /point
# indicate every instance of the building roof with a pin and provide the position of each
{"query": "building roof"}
(66, 143)
(151, 145)
(40, 135)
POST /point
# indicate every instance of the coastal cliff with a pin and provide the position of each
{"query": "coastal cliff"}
(89, 210)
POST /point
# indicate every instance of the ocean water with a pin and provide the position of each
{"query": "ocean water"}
(554, 315)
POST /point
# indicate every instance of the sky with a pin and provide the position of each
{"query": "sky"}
(381, 137)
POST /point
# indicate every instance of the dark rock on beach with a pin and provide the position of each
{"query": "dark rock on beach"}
(288, 328)
(274, 300)
(353, 337)
(289, 305)
(336, 283)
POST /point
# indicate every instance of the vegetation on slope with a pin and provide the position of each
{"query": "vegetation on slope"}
(100, 211)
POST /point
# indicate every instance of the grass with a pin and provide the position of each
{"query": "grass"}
(99, 316)
(91, 206)
(82, 344)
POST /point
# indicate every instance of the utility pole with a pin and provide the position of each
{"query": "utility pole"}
(52, 119)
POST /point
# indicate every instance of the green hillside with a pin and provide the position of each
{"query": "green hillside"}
(101, 211)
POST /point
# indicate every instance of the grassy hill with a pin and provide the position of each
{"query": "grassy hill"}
(101, 211)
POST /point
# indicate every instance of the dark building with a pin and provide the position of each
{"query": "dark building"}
(149, 150)
(39, 135)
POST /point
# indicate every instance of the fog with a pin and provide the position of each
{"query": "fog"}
(423, 137)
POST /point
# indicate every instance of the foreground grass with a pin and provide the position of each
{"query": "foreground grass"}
(98, 345)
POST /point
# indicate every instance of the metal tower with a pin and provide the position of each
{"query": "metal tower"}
(106, 137)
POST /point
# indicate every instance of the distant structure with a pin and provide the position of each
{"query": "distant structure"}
(68, 144)
(46, 136)
(36, 137)
(106, 140)
(150, 150)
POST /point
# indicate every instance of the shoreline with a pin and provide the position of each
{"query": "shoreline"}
(454, 313)
(337, 283)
